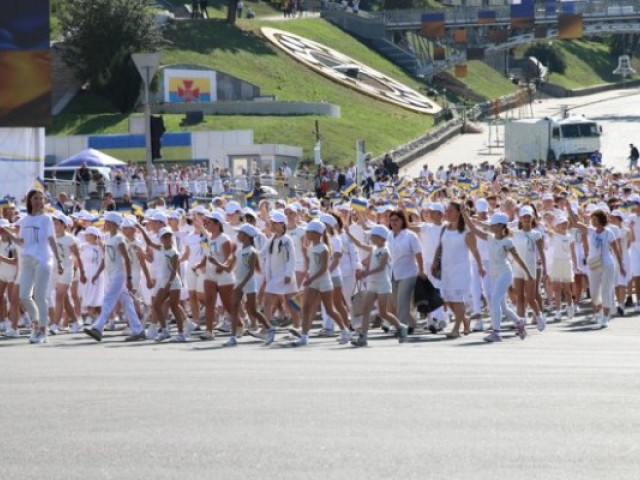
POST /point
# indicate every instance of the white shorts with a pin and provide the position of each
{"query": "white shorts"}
(379, 288)
(249, 287)
(176, 283)
(221, 279)
(322, 284)
(519, 273)
(635, 260)
(7, 273)
(337, 282)
(67, 275)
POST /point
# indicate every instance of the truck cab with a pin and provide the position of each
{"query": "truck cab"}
(573, 138)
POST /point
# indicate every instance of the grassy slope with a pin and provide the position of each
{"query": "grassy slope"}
(485, 81)
(244, 54)
(588, 64)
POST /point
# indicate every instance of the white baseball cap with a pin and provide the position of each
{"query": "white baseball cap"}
(248, 230)
(328, 220)
(113, 217)
(93, 231)
(316, 226)
(164, 231)
(216, 215)
(278, 217)
(525, 210)
(380, 231)
(482, 206)
(499, 218)
(232, 207)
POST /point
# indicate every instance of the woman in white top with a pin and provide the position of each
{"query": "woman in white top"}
(377, 274)
(333, 231)
(195, 242)
(36, 237)
(457, 242)
(599, 247)
(92, 291)
(527, 240)
(500, 246)
(408, 264)
(247, 264)
(318, 285)
(280, 269)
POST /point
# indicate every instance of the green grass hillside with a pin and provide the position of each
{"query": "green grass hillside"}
(588, 64)
(241, 51)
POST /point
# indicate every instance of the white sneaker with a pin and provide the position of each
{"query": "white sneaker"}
(522, 330)
(207, 335)
(604, 321)
(231, 342)
(225, 327)
(325, 332)
(302, 341)
(558, 316)
(571, 311)
(38, 337)
(127, 332)
(11, 333)
(493, 337)
(76, 327)
(25, 322)
(179, 338)
(478, 326)
(191, 327)
(271, 336)
(541, 322)
(345, 337)
(5, 325)
(163, 334)
(152, 332)
(53, 329)
(110, 327)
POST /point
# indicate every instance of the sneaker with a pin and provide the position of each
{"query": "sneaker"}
(294, 331)
(53, 329)
(541, 322)
(191, 327)
(257, 333)
(127, 332)
(325, 332)
(620, 311)
(231, 342)
(571, 311)
(493, 337)
(141, 335)
(76, 327)
(207, 336)
(597, 318)
(522, 331)
(163, 335)
(270, 337)
(345, 337)
(386, 328)
(604, 322)
(25, 322)
(302, 341)
(93, 333)
(38, 337)
(433, 328)
(110, 327)
(11, 333)
(558, 316)
(179, 338)
(478, 326)
(402, 337)
(225, 327)
(359, 341)
(152, 332)
(628, 302)
(442, 324)
(5, 325)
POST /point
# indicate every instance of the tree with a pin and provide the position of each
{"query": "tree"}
(99, 37)
(549, 55)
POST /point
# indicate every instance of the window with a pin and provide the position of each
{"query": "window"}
(579, 130)
(556, 132)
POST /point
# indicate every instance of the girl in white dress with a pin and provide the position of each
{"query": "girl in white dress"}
(562, 264)
(247, 264)
(377, 274)
(500, 247)
(92, 291)
(624, 242)
(318, 285)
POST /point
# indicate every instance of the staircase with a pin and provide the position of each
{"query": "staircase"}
(396, 54)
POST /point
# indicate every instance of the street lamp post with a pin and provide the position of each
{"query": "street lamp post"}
(147, 63)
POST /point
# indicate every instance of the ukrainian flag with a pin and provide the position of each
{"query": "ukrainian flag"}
(296, 303)
(349, 187)
(359, 205)
(39, 184)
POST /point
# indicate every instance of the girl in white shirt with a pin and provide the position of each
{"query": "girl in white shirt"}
(36, 237)
(333, 230)
(562, 263)
(377, 274)
(500, 246)
(246, 265)
(318, 285)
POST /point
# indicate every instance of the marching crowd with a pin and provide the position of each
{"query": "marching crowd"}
(528, 246)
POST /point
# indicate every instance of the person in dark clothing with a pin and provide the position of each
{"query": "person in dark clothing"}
(633, 157)
(182, 199)
(83, 175)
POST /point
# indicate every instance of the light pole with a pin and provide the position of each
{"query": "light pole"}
(147, 63)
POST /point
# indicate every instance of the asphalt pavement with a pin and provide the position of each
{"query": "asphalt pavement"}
(562, 404)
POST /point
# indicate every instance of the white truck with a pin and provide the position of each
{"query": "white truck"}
(566, 137)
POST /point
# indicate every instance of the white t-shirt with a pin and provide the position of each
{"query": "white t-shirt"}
(404, 248)
(114, 263)
(498, 255)
(35, 230)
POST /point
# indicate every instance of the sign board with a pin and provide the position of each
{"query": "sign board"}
(189, 86)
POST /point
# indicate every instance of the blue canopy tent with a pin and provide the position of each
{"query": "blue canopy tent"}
(93, 158)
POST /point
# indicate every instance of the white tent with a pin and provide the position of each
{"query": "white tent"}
(93, 158)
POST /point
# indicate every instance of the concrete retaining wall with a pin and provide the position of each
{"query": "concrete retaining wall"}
(561, 92)
(251, 108)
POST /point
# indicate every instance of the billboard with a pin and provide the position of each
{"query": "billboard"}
(189, 86)
(433, 25)
(523, 14)
(25, 64)
(570, 26)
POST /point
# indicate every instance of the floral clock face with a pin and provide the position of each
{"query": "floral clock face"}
(349, 72)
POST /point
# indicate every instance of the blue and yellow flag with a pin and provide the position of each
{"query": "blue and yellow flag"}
(359, 205)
